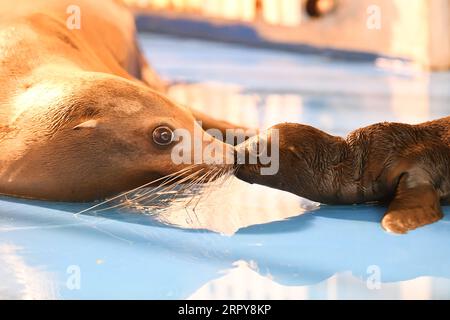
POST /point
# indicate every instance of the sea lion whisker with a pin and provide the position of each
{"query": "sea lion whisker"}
(182, 183)
(201, 196)
(163, 198)
(133, 190)
(222, 175)
(181, 190)
(198, 181)
(169, 178)
(226, 176)
(210, 189)
(195, 182)
(232, 174)
(217, 178)
(156, 200)
(151, 196)
(214, 175)
(192, 182)
(163, 187)
(211, 174)
(188, 187)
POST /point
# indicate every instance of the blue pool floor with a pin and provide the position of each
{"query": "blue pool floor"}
(252, 242)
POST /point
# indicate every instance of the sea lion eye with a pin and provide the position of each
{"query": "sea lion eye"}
(163, 136)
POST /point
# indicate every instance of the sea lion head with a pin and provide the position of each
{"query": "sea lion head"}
(304, 155)
(91, 137)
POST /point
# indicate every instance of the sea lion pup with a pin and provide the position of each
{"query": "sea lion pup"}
(82, 115)
(407, 165)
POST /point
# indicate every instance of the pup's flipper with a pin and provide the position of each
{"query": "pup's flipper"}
(416, 203)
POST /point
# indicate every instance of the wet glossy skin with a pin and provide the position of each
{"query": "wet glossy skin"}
(78, 106)
(405, 164)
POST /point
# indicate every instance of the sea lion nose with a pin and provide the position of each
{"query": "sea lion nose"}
(240, 154)
(249, 151)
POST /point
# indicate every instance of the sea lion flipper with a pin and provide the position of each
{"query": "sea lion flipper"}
(415, 204)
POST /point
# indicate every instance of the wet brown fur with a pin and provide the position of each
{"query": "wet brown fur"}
(405, 165)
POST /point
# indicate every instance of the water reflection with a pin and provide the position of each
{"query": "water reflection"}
(235, 206)
(223, 206)
(22, 281)
(244, 281)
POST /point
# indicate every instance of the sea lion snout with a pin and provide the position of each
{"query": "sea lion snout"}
(253, 147)
(102, 136)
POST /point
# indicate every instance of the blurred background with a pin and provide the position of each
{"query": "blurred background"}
(336, 64)
(416, 30)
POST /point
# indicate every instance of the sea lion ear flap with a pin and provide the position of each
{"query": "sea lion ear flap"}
(90, 124)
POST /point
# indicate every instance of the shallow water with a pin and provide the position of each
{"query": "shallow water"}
(242, 241)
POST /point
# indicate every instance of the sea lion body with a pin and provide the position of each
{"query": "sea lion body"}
(78, 105)
(407, 165)
(385, 151)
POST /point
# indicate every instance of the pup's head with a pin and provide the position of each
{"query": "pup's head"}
(303, 154)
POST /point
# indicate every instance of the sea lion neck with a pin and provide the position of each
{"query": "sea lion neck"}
(330, 171)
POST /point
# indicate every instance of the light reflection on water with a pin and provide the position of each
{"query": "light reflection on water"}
(22, 281)
(234, 206)
(223, 206)
(244, 281)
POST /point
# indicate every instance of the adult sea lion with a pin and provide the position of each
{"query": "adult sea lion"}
(407, 165)
(82, 114)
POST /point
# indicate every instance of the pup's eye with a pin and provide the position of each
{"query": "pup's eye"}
(163, 136)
